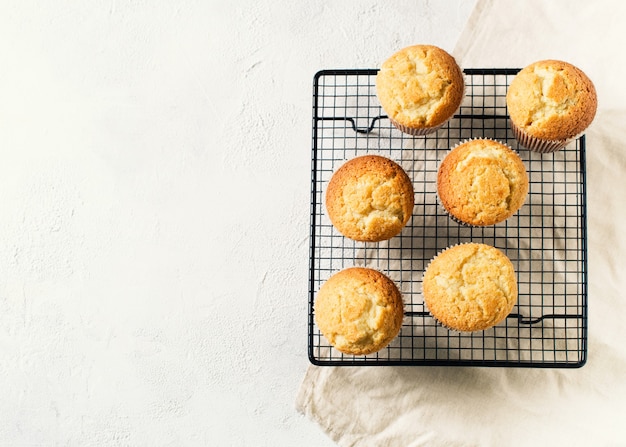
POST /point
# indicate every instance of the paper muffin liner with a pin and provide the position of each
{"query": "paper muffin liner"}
(416, 131)
(539, 145)
(421, 131)
(440, 203)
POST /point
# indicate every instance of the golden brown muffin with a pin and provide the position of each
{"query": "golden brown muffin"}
(550, 102)
(470, 287)
(370, 198)
(359, 310)
(482, 182)
(420, 87)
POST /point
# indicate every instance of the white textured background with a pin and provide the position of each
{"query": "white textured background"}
(154, 186)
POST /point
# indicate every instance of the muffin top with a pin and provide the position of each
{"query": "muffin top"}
(359, 310)
(370, 198)
(470, 287)
(420, 86)
(482, 182)
(551, 100)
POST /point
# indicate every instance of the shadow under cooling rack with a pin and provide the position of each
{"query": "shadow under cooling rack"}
(545, 240)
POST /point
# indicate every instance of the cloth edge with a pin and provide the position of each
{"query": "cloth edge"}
(303, 395)
(464, 42)
(303, 404)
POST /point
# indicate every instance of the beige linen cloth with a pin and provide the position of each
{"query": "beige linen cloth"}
(466, 406)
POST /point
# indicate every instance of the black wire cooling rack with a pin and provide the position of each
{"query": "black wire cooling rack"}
(545, 240)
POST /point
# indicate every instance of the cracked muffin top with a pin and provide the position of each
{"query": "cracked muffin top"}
(482, 182)
(470, 287)
(551, 100)
(420, 86)
(359, 310)
(369, 198)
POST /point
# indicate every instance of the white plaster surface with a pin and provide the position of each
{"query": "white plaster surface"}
(154, 186)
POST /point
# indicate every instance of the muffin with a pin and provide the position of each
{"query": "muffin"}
(470, 287)
(550, 103)
(370, 199)
(420, 88)
(359, 310)
(482, 182)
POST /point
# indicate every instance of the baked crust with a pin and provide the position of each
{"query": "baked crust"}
(420, 86)
(470, 287)
(482, 182)
(551, 100)
(370, 198)
(359, 310)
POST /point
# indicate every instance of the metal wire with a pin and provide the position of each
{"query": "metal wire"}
(545, 240)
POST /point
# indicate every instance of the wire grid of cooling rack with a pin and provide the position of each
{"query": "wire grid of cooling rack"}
(545, 240)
